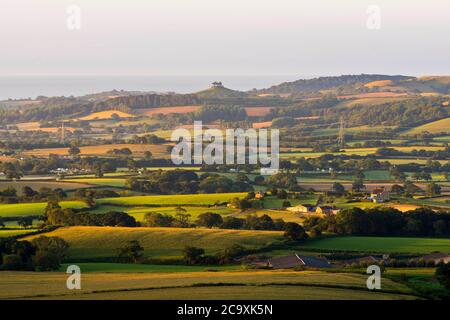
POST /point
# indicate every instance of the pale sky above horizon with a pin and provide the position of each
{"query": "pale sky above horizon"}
(235, 37)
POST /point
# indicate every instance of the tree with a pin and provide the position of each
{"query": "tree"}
(132, 251)
(11, 171)
(397, 189)
(443, 275)
(229, 254)
(358, 185)
(28, 192)
(338, 188)
(25, 222)
(209, 220)
(295, 232)
(74, 151)
(282, 194)
(193, 255)
(259, 180)
(148, 155)
(50, 252)
(155, 219)
(98, 169)
(2, 224)
(433, 189)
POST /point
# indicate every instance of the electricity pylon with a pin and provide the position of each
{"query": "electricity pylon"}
(341, 136)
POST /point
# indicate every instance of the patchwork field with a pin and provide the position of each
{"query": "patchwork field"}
(107, 114)
(199, 285)
(97, 242)
(156, 150)
(258, 111)
(36, 126)
(167, 110)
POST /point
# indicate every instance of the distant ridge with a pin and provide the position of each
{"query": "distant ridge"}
(327, 83)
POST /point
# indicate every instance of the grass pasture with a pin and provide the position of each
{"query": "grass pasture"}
(432, 127)
(36, 185)
(100, 242)
(381, 244)
(199, 285)
(108, 182)
(93, 267)
(173, 200)
(33, 209)
(5, 233)
(167, 110)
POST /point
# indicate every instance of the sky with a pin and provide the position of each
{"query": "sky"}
(234, 37)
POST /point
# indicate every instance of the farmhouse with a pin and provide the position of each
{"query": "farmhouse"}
(367, 260)
(380, 195)
(326, 210)
(438, 257)
(301, 208)
(294, 261)
(259, 195)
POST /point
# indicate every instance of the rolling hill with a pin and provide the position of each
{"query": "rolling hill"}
(97, 242)
(439, 126)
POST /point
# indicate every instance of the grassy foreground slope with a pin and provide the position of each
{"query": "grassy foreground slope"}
(177, 200)
(200, 285)
(381, 244)
(97, 242)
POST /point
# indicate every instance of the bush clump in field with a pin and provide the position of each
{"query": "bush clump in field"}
(41, 254)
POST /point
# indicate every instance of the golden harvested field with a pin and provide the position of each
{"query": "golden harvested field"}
(157, 150)
(261, 125)
(7, 159)
(370, 101)
(92, 242)
(373, 95)
(404, 207)
(107, 114)
(258, 111)
(432, 127)
(199, 285)
(35, 126)
(167, 110)
(379, 83)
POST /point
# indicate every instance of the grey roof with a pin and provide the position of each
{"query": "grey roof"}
(288, 262)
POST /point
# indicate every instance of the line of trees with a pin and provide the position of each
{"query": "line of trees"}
(383, 222)
(41, 254)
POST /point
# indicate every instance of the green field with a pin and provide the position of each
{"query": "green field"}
(98, 242)
(432, 127)
(200, 285)
(33, 209)
(174, 200)
(381, 244)
(139, 212)
(275, 203)
(12, 233)
(138, 268)
(112, 182)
